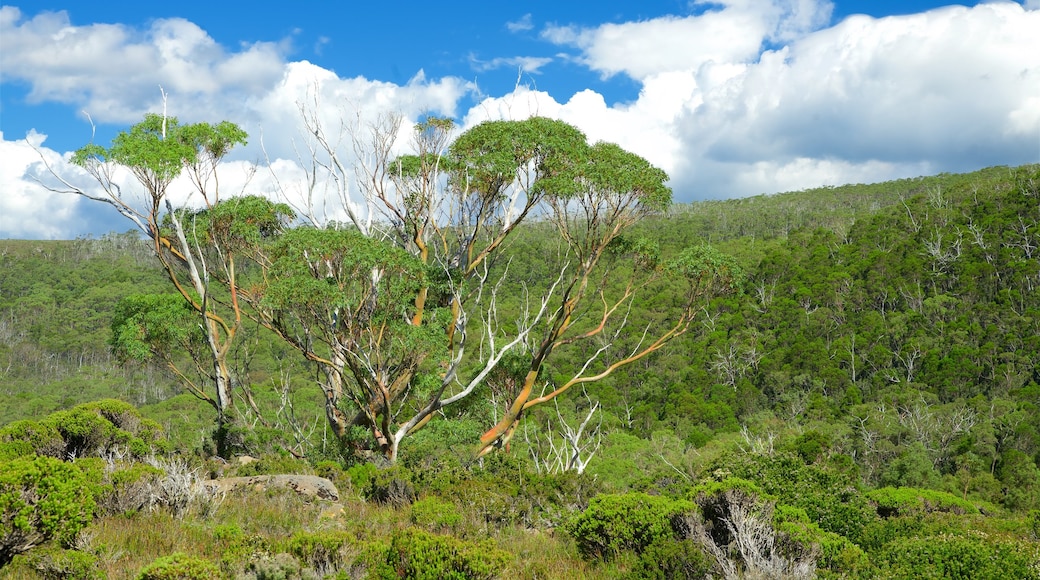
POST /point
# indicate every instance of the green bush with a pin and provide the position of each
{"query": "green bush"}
(41, 498)
(670, 558)
(55, 563)
(391, 485)
(836, 553)
(957, 558)
(102, 426)
(28, 437)
(433, 513)
(419, 555)
(179, 566)
(322, 551)
(829, 493)
(902, 501)
(633, 521)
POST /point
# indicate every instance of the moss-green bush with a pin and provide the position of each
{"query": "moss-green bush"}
(669, 558)
(58, 564)
(322, 551)
(902, 501)
(179, 566)
(614, 523)
(41, 499)
(29, 437)
(420, 555)
(836, 554)
(959, 558)
(829, 493)
(391, 485)
(434, 513)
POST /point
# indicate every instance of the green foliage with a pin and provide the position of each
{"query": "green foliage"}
(419, 555)
(614, 523)
(179, 566)
(953, 557)
(28, 437)
(906, 501)
(321, 551)
(102, 426)
(837, 554)
(669, 558)
(829, 494)
(155, 325)
(434, 514)
(390, 485)
(41, 499)
(53, 563)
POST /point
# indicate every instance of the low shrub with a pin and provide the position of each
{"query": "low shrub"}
(433, 513)
(632, 521)
(953, 557)
(59, 564)
(671, 558)
(420, 555)
(179, 566)
(903, 501)
(41, 499)
(322, 551)
(391, 485)
(28, 437)
(106, 426)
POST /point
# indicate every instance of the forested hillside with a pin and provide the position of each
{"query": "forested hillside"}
(870, 395)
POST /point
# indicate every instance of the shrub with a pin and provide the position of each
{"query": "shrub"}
(739, 532)
(41, 498)
(615, 523)
(22, 438)
(65, 564)
(322, 551)
(132, 489)
(435, 514)
(829, 494)
(670, 558)
(902, 501)
(103, 427)
(391, 485)
(958, 558)
(836, 553)
(179, 566)
(421, 555)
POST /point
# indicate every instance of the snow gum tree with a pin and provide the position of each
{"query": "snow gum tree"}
(156, 152)
(409, 319)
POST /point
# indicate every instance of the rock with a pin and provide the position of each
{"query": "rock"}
(246, 460)
(310, 486)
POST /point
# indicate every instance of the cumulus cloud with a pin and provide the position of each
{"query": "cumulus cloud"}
(29, 210)
(114, 71)
(731, 31)
(950, 89)
(739, 98)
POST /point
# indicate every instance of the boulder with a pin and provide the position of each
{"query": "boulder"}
(310, 486)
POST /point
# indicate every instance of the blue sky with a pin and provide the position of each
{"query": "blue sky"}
(733, 98)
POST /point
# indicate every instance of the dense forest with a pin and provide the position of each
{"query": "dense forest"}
(863, 404)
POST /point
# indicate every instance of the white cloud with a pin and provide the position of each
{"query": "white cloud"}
(731, 31)
(28, 210)
(948, 89)
(865, 100)
(524, 24)
(113, 71)
(527, 64)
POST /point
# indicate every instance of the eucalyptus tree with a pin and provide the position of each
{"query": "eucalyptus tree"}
(156, 152)
(400, 307)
